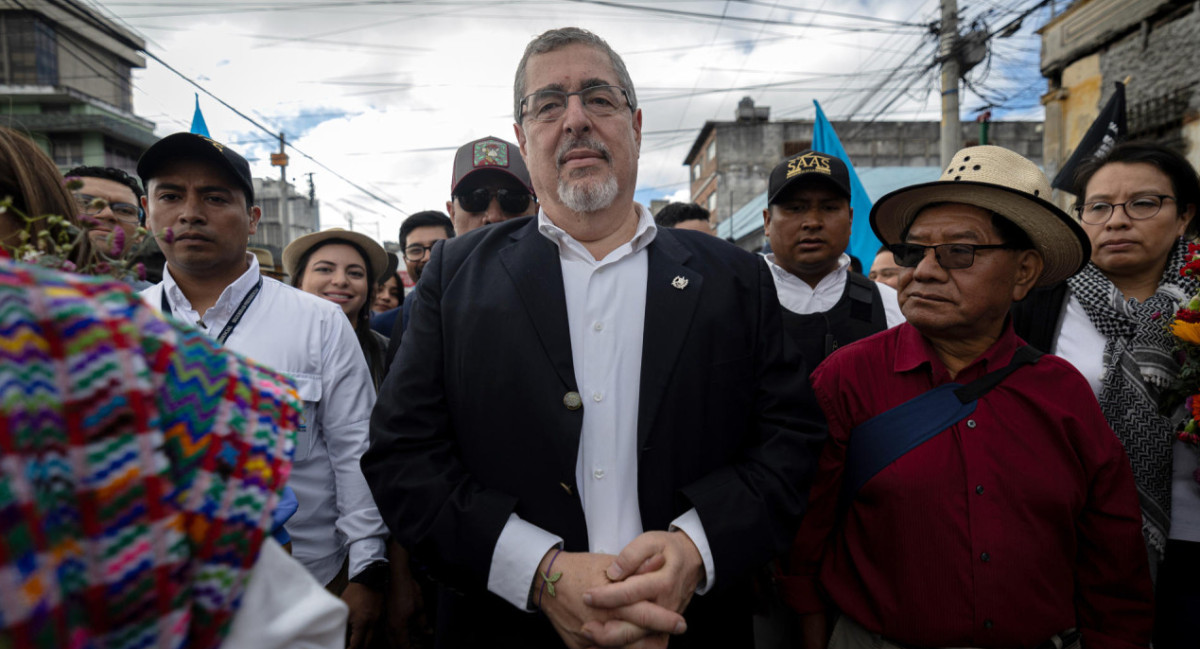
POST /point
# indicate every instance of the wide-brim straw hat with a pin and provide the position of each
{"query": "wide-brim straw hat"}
(296, 249)
(1001, 181)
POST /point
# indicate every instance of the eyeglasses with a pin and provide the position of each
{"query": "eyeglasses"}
(93, 205)
(416, 252)
(1138, 208)
(549, 105)
(511, 202)
(950, 256)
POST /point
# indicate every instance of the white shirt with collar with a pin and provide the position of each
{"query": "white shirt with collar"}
(797, 296)
(606, 314)
(310, 340)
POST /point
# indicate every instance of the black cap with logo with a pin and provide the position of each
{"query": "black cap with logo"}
(189, 146)
(806, 166)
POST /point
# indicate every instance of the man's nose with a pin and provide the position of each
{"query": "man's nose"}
(929, 267)
(493, 214)
(576, 118)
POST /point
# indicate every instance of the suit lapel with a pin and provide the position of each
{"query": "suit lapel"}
(533, 264)
(672, 292)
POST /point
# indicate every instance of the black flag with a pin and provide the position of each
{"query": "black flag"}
(1104, 133)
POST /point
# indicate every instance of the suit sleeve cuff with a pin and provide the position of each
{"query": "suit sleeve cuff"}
(515, 560)
(689, 523)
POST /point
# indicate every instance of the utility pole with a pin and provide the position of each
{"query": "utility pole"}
(951, 138)
(285, 212)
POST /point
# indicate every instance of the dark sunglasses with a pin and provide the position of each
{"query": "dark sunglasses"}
(511, 202)
(950, 256)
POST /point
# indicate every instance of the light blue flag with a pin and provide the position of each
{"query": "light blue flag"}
(863, 243)
(198, 125)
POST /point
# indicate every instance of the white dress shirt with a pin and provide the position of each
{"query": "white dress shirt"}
(310, 340)
(283, 607)
(1079, 342)
(606, 313)
(797, 296)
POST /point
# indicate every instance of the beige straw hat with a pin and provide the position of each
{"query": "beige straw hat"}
(1001, 181)
(296, 249)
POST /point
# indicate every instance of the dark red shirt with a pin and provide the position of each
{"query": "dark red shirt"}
(1018, 522)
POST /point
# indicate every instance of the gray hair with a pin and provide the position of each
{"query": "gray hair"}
(556, 39)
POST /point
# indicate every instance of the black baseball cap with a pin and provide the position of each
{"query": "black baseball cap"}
(806, 166)
(189, 146)
(489, 154)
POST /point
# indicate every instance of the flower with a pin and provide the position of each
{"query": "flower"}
(168, 235)
(1186, 331)
(140, 270)
(118, 243)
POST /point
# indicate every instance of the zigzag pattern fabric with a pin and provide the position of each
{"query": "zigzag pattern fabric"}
(139, 466)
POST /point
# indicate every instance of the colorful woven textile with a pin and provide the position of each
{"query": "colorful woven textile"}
(139, 466)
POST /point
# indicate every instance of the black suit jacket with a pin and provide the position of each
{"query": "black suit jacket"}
(471, 424)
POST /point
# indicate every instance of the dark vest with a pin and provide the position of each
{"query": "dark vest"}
(858, 314)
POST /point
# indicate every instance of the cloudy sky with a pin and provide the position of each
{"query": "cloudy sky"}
(383, 91)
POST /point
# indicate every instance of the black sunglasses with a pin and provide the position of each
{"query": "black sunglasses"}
(511, 202)
(950, 256)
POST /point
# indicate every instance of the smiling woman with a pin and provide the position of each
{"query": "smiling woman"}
(343, 267)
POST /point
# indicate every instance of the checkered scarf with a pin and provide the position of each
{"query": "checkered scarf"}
(1138, 363)
(139, 466)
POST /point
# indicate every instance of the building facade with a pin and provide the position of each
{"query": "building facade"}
(66, 80)
(278, 228)
(729, 162)
(1150, 45)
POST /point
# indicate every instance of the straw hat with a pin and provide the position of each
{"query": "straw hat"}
(1001, 181)
(296, 249)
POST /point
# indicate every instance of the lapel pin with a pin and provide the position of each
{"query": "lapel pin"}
(680, 282)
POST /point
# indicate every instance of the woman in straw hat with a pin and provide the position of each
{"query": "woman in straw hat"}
(1137, 205)
(343, 267)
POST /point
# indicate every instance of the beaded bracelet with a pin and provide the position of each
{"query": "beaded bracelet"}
(549, 578)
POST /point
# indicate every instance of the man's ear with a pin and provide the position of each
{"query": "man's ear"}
(255, 215)
(450, 208)
(520, 138)
(767, 222)
(1029, 269)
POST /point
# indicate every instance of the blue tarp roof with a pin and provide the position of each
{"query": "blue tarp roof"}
(876, 180)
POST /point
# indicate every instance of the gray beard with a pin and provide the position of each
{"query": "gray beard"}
(588, 197)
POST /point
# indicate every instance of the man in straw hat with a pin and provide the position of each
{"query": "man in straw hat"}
(972, 493)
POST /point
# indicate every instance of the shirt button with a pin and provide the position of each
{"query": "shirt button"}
(599, 326)
(985, 557)
(597, 396)
(970, 423)
(598, 474)
(979, 489)
(987, 624)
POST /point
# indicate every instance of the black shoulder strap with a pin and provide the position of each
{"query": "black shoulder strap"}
(864, 297)
(886, 437)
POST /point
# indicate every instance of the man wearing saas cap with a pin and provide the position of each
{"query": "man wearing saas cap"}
(972, 493)
(490, 184)
(807, 221)
(200, 204)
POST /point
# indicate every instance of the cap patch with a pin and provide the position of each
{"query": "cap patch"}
(807, 164)
(491, 153)
(220, 147)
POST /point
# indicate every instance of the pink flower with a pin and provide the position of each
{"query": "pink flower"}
(88, 220)
(118, 243)
(1156, 315)
(168, 235)
(140, 269)
(68, 266)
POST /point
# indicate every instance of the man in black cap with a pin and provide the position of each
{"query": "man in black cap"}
(807, 221)
(200, 203)
(490, 184)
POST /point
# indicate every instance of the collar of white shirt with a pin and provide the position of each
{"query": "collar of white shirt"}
(797, 296)
(226, 303)
(570, 248)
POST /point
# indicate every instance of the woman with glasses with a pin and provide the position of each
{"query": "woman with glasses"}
(1137, 205)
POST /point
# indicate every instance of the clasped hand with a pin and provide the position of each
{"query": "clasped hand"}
(632, 600)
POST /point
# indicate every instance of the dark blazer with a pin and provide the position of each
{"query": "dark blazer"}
(471, 424)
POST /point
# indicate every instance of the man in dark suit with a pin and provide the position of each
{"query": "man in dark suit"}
(592, 416)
